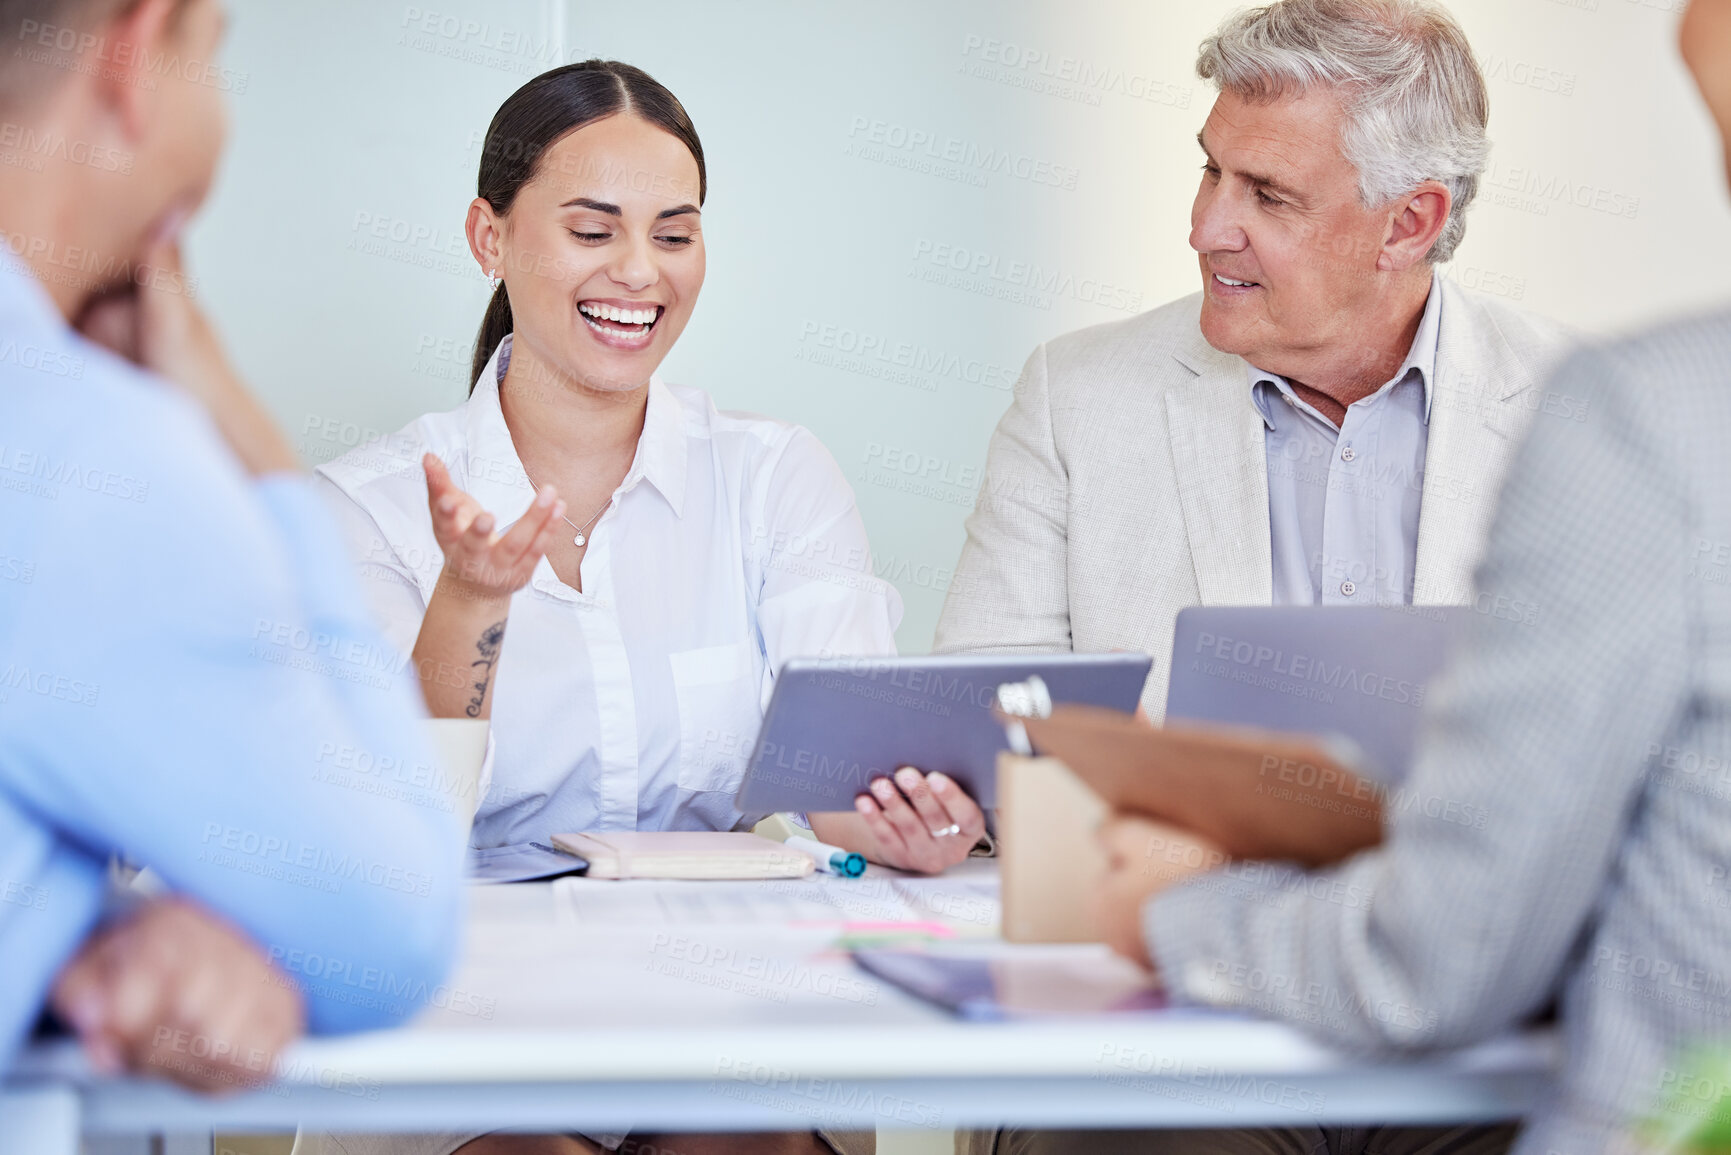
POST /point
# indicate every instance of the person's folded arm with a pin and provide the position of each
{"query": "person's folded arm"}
(1010, 592)
(1531, 755)
(239, 725)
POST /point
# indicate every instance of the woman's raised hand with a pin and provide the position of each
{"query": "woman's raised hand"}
(478, 562)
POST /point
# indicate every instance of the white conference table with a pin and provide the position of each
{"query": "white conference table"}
(601, 1006)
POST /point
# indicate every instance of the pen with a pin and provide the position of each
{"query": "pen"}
(830, 859)
(1018, 700)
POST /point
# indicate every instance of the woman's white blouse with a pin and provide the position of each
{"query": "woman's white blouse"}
(732, 545)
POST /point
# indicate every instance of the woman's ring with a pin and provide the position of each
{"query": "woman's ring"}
(948, 831)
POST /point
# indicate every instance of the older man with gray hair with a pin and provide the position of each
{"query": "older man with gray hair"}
(1328, 422)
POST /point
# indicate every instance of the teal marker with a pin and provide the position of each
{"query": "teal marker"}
(830, 859)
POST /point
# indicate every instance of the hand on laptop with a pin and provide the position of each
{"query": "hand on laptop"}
(921, 822)
(174, 991)
(1144, 858)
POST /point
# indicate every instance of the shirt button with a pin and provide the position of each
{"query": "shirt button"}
(1347, 589)
(1347, 453)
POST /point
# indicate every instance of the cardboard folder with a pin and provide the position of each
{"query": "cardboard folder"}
(1254, 793)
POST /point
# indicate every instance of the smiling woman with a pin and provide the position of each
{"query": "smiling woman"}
(624, 567)
(658, 177)
(660, 559)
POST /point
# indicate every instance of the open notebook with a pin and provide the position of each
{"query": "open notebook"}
(698, 854)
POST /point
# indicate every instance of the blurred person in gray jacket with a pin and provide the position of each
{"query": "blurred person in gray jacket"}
(1591, 744)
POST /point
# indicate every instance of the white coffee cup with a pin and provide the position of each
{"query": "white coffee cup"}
(461, 747)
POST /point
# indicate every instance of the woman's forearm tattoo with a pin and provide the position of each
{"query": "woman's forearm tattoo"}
(488, 648)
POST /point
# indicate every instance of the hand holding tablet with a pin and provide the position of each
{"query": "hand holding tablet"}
(921, 822)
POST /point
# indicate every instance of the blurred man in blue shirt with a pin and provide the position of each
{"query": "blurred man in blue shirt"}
(181, 648)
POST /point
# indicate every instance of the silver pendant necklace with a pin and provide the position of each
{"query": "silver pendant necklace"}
(582, 537)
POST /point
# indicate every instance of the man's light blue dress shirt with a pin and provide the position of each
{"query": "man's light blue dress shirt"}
(1343, 504)
(188, 675)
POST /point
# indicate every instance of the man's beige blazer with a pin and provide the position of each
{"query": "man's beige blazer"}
(1128, 480)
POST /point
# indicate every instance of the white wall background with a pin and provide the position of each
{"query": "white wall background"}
(834, 221)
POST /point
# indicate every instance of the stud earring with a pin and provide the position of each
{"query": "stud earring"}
(493, 279)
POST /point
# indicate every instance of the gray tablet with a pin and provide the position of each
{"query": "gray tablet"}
(1355, 672)
(833, 725)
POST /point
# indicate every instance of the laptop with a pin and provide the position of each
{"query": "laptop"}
(1354, 677)
(1355, 672)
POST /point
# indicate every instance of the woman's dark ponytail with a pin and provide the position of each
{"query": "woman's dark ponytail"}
(495, 327)
(536, 116)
